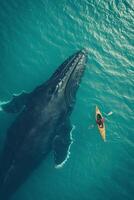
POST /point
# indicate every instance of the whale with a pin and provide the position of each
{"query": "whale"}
(42, 124)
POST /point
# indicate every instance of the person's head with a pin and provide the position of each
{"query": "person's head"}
(98, 116)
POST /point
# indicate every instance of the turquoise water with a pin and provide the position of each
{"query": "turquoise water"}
(35, 37)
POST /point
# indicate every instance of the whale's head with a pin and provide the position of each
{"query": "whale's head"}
(67, 77)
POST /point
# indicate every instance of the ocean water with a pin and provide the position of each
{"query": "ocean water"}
(36, 36)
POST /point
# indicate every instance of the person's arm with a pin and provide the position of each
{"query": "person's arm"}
(103, 120)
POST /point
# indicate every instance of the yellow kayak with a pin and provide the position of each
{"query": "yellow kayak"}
(102, 127)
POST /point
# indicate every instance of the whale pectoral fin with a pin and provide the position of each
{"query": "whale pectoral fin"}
(16, 104)
(61, 146)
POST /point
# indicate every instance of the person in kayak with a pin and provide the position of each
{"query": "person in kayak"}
(100, 120)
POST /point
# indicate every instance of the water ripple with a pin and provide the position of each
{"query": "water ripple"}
(36, 37)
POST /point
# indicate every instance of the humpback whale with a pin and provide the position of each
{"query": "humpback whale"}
(42, 124)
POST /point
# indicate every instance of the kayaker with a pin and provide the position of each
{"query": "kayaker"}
(100, 120)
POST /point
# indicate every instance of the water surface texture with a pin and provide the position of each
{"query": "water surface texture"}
(36, 36)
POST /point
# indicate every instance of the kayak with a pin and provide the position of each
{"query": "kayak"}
(101, 129)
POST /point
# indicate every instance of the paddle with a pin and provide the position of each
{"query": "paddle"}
(0, 106)
(108, 114)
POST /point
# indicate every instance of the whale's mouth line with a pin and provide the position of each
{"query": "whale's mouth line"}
(68, 96)
(66, 69)
(74, 69)
(66, 74)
